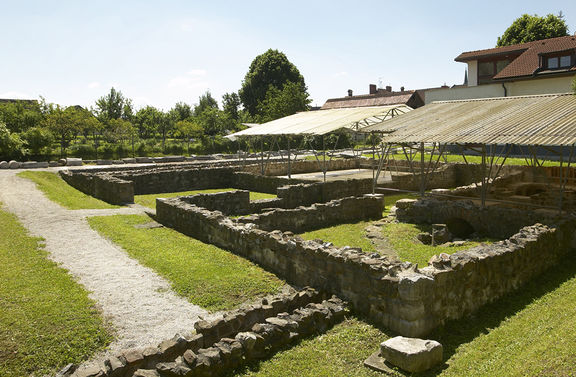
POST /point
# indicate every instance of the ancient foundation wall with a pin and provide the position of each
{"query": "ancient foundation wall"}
(396, 295)
(262, 183)
(303, 166)
(306, 194)
(102, 186)
(319, 215)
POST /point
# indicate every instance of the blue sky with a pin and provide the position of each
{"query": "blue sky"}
(159, 53)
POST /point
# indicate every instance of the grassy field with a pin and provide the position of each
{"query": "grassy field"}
(352, 235)
(149, 200)
(62, 193)
(471, 159)
(527, 333)
(46, 318)
(339, 352)
(206, 275)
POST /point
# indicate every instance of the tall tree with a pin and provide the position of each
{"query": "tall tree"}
(206, 101)
(279, 103)
(231, 105)
(188, 129)
(271, 69)
(113, 106)
(529, 28)
(10, 143)
(64, 124)
(181, 111)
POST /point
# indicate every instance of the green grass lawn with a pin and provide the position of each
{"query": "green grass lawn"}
(46, 318)
(341, 351)
(402, 238)
(206, 275)
(459, 159)
(149, 200)
(530, 332)
(57, 190)
(352, 235)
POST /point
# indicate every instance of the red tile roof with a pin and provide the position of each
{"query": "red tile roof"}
(527, 63)
(393, 98)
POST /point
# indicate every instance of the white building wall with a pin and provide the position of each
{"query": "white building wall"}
(473, 73)
(514, 88)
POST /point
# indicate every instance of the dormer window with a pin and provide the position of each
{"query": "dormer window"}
(561, 60)
(490, 68)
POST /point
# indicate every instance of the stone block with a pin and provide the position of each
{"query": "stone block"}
(53, 164)
(143, 160)
(414, 286)
(14, 165)
(405, 203)
(73, 161)
(3, 165)
(29, 165)
(104, 162)
(412, 354)
(145, 373)
(42, 164)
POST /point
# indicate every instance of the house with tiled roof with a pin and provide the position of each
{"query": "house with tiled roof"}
(539, 67)
(376, 97)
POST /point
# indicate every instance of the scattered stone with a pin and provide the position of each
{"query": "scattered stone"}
(145, 373)
(412, 354)
(440, 234)
(53, 164)
(70, 161)
(14, 164)
(425, 238)
(66, 371)
(405, 203)
(3, 165)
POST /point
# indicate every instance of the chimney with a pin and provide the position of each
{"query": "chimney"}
(372, 88)
(388, 88)
(349, 92)
(401, 88)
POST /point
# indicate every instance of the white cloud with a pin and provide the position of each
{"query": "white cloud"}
(94, 85)
(340, 74)
(193, 79)
(15, 95)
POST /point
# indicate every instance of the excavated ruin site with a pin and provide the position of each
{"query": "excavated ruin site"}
(407, 298)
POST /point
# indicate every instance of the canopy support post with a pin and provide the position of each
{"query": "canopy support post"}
(289, 158)
(483, 187)
(422, 176)
(262, 155)
(324, 157)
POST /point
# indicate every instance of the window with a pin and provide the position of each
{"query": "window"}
(490, 68)
(558, 61)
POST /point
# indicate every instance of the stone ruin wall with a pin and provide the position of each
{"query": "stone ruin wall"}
(399, 296)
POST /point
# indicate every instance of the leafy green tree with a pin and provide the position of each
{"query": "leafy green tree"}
(231, 105)
(188, 129)
(64, 124)
(272, 69)
(20, 116)
(114, 106)
(10, 143)
(123, 131)
(181, 111)
(147, 120)
(212, 121)
(529, 28)
(574, 85)
(38, 140)
(206, 101)
(279, 103)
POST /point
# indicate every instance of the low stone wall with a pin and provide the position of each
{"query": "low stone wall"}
(395, 295)
(309, 304)
(305, 194)
(490, 221)
(102, 186)
(303, 166)
(228, 202)
(319, 216)
(262, 183)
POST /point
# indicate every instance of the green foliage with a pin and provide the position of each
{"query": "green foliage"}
(181, 111)
(188, 130)
(60, 192)
(205, 102)
(272, 69)
(529, 28)
(574, 85)
(147, 120)
(38, 140)
(205, 274)
(279, 103)
(113, 106)
(47, 319)
(10, 143)
(20, 116)
(231, 105)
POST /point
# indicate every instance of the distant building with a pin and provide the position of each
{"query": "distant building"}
(376, 97)
(539, 67)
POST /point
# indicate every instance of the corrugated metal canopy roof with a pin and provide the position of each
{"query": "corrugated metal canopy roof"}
(321, 122)
(527, 120)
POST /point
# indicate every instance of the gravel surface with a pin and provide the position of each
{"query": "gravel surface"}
(137, 303)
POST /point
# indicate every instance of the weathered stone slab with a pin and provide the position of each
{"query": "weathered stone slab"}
(14, 164)
(412, 354)
(73, 161)
(3, 165)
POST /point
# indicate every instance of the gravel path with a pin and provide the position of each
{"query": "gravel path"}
(138, 303)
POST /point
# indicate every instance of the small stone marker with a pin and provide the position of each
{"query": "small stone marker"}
(410, 354)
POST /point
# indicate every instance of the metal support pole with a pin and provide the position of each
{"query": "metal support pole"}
(561, 180)
(483, 188)
(324, 157)
(373, 159)
(289, 158)
(261, 155)
(422, 175)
